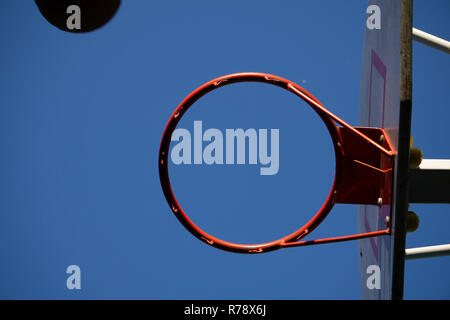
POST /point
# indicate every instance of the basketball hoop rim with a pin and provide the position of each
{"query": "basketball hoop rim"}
(215, 84)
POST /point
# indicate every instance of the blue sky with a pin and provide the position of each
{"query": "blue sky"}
(81, 118)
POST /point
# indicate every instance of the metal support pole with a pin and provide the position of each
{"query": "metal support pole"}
(427, 252)
(430, 40)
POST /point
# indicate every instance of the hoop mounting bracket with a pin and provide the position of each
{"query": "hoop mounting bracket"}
(367, 170)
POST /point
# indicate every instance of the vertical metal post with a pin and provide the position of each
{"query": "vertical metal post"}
(401, 201)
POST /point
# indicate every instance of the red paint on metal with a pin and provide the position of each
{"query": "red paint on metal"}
(359, 179)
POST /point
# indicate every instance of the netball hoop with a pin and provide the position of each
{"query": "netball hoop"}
(364, 163)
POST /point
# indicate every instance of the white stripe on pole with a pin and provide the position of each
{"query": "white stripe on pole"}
(427, 252)
(430, 40)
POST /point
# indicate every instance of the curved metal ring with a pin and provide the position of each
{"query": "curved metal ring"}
(164, 152)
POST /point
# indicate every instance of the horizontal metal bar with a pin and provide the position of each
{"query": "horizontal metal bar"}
(337, 239)
(430, 182)
(427, 252)
(430, 40)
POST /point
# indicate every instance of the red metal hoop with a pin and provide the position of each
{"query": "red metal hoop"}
(358, 178)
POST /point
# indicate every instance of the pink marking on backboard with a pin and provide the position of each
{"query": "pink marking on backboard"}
(381, 69)
(373, 241)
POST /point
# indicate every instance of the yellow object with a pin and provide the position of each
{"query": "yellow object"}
(411, 141)
(412, 222)
(415, 157)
